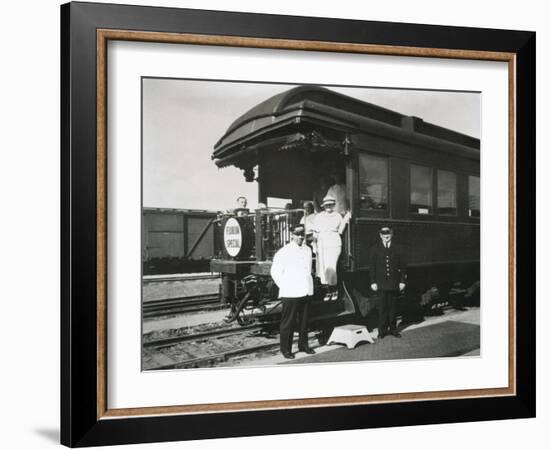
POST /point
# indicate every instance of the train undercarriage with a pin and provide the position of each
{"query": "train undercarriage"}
(253, 297)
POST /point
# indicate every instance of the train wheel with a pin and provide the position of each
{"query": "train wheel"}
(244, 319)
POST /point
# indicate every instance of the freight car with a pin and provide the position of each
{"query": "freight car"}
(420, 178)
(177, 240)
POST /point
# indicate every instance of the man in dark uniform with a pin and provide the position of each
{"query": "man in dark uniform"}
(388, 276)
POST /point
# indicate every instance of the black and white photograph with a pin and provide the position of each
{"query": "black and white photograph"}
(303, 224)
(275, 225)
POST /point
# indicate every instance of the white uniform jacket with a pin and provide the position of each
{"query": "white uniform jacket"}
(291, 271)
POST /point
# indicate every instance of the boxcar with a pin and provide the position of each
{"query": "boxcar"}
(177, 240)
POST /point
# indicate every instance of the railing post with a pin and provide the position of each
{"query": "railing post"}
(352, 184)
(259, 236)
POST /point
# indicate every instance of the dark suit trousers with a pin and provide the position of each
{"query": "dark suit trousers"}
(386, 311)
(294, 316)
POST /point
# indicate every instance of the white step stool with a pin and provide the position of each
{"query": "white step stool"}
(350, 335)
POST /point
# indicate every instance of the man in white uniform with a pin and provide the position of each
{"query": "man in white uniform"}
(291, 271)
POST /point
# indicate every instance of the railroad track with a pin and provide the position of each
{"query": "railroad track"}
(207, 361)
(224, 332)
(178, 305)
(221, 355)
(183, 277)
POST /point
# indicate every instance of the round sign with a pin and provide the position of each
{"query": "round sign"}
(232, 237)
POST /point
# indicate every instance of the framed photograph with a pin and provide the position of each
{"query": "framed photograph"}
(279, 224)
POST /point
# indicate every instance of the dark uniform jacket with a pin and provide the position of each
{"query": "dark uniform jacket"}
(387, 266)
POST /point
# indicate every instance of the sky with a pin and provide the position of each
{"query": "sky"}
(183, 120)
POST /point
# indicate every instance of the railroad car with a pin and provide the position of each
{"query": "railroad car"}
(177, 240)
(420, 178)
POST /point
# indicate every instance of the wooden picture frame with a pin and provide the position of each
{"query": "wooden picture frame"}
(85, 416)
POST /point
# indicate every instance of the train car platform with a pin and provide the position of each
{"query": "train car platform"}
(456, 333)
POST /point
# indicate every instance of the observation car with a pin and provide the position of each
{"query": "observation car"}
(420, 178)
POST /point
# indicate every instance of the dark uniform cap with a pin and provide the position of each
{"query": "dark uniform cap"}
(298, 230)
(385, 229)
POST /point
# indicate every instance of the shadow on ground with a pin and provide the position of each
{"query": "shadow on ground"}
(50, 434)
(446, 339)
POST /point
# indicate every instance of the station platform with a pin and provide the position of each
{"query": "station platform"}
(454, 334)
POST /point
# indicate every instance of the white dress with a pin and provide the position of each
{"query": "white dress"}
(309, 223)
(328, 227)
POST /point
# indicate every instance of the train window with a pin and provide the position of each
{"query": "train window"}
(473, 196)
(446, 192)
(373, 182)
(421, 190)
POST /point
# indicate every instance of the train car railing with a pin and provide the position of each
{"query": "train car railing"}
(271, 227)
(273, 230)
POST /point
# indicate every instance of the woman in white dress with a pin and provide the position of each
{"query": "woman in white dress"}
(328, 226)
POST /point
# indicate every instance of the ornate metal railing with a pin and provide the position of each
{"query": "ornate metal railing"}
(274, 230)
(271, 229)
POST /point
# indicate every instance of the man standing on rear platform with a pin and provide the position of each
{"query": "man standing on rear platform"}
(388, 276)
(291, 271)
